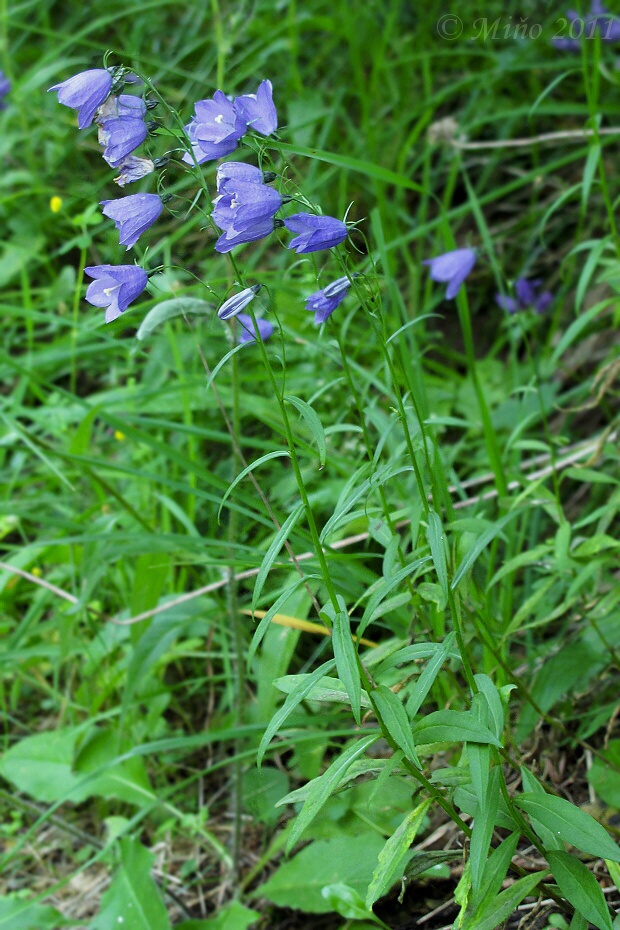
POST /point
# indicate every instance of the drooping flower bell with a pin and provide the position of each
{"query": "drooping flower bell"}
(315, 232)
(244, 210)
(258, 110)
(121, 137)
(114, 287)
(323, 303)
(132, 168)
(452, 268)
(133, 215)
(85, 92)
(250, 332)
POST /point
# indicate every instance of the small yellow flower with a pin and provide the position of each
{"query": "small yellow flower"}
(36, 571)
(118, 435)
(55, 204)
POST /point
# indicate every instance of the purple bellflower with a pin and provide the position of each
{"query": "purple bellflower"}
(126, 106)
(133, 215)
(315, 232)
(237, 171)
(115, 287)
(527, 294)
(250, 332)
(215, 129)
(244, 210)
(323, 303)
(85, 92)
(258, 109)
(121, 137)
(132, 168)
(238, 302)
(5, 86)
(452, 268)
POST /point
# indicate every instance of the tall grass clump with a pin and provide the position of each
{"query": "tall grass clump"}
(309, 582)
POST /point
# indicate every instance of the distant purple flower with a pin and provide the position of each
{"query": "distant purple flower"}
(245, 211)
(258, 109)
(238, 302)
(5, 86)
(121, 137)
(323, 303)
(114, 287)
(452, 268)
(528, 295)
(133, 215)
(132, 168)
(585, 27)
(85, 92)
(249, 330)
(315, 232)
(237, 171)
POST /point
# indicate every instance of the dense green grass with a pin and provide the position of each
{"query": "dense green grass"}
(117, 452)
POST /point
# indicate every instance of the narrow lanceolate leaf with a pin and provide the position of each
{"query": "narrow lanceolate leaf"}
(293, 700)
(484, 824)
(437, 543)
(396, 721)
(503, 905)
(570, 823)
(273, 550)
(278, 453)
(345, 655)
(322, 787)
(495, 871)
(481, 544)
(580, 888)
(419, 691)
(392, 858)
(313, 423)
(452, 726)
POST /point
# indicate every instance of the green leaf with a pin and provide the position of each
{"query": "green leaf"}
(452, 726)
(133, 898)
(420, 688)
(262, 789)
(369, 168)
(347, 902)
(322, 787)
(485, 819)
(278, 453)
(480, 545)
(345, 655)
(495, 871)
(328, 689)
(232, 917)
(17, 914)
(394, 716)
(298, 883)
(437, 542)
(313, 423)
(503, 905)
(580, 888)
(570, 823)
(272, 552)
(392, 858)
(168, 309)
(293, 700)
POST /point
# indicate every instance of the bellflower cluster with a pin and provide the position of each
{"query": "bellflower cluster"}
(452, 268)
(5, 86)
(219, 122)
(244, 208)
(528, 294)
